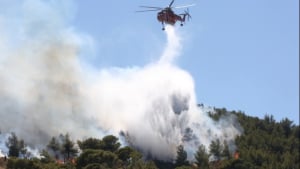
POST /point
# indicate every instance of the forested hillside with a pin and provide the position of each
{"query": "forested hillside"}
(264, 144)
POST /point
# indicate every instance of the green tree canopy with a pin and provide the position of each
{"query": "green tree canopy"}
(201, 157)
(110, 143)
(181, 158)
(125, 153)
(15, 146)
(215, 149)
(54, 147)
(102, 157)
(90, 143)
(68, 148)
(225, 152)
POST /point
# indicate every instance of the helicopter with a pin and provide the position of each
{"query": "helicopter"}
(167, 15)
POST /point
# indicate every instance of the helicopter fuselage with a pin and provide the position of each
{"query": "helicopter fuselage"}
(169, 17)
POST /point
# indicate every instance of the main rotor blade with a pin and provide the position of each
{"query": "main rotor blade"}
(148, 10)
(158, 8)
(171, 3)
(184, 6)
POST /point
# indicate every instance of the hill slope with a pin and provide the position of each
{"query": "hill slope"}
(264, 144)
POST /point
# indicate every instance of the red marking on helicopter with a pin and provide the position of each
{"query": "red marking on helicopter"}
(167, 15)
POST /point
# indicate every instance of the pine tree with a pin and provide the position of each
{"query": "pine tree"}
(287, 126)
(181, 158)
(110, 143)
(12, 145)
(215, 149)
(68, 148)
(23, 150)
(201, 157)
(15, 146)
(54, 146)
(90, 143)
(225, 152)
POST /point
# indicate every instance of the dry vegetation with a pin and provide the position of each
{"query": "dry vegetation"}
(2, 163)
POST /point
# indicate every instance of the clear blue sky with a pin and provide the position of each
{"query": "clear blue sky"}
(243, 55)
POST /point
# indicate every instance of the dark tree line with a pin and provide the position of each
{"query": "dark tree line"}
(264, 144)
(17, 148)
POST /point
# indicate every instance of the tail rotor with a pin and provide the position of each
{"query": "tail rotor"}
(187, 14)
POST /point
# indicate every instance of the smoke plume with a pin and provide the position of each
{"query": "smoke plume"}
(45, 90)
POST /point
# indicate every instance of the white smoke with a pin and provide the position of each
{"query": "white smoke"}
(45, 90)
(3, 148)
